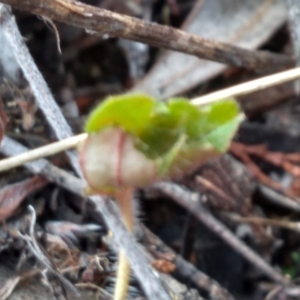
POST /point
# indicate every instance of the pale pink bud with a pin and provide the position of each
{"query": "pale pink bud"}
(109, 160)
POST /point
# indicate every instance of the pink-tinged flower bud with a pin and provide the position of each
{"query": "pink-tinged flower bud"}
(109, 160)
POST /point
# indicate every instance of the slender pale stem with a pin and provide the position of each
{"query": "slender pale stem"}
(44, 151)
(123, 276)
(124, 198)
(249, 87)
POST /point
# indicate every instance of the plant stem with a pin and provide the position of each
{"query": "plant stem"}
(124, 199)
(123, 275)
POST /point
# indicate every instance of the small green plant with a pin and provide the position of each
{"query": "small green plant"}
(163, 140)
(134, 140)
(292, 268)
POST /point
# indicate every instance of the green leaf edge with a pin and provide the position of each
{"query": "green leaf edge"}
(216, 128)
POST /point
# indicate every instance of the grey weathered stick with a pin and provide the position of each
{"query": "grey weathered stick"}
(192, 203)
(294, 16)
(36, 81)
(187, 270)
(279, 199)
(56, 120)
(103, 208)
(294, 22)
(104, 22)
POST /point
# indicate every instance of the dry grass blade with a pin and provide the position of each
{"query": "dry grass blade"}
(249, 87)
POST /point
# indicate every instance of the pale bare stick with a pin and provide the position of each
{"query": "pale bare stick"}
(249, 87)
(38, 85)
(149, 282)
(241, 89)
(44, 151)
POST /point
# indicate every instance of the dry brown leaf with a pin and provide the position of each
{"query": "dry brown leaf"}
(12, 195)
(163, 266)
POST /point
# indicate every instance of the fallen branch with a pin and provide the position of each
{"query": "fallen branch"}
(104, 208)
(103, 22)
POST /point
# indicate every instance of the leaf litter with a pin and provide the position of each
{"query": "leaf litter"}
(74, 242)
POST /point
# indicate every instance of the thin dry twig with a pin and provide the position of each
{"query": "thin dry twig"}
(253, 167)
(44, 151)
(249, 87)
(279, 159)
(104, 22)
(193, 204)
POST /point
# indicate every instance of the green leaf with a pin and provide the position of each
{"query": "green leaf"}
(176, 134)
(130, 112)
(219, 123)
(161, 133)
(214, 124)
(207, 133)
(178, 118)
